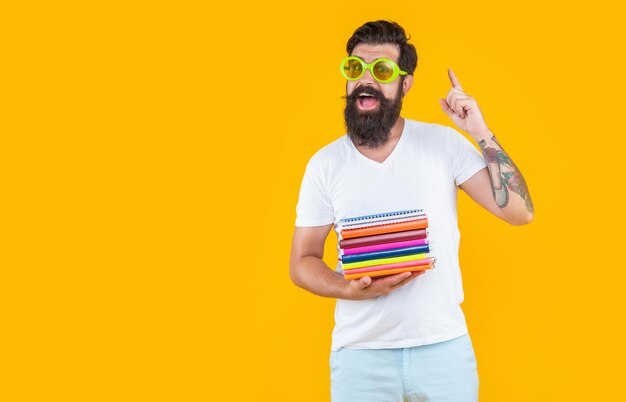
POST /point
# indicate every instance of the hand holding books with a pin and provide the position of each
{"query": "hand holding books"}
(367, 288)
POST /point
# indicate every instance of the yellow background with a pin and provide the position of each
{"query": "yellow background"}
(142, 141)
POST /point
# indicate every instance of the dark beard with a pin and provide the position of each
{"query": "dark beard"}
(372, 128)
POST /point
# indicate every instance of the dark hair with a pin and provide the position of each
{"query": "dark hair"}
(381, 32)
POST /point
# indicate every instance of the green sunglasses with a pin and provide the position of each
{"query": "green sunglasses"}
(383, 70)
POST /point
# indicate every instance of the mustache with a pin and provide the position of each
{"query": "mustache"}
(363, 90)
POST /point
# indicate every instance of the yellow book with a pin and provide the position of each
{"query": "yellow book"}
(381, 261)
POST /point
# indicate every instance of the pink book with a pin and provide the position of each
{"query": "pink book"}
(386, 246)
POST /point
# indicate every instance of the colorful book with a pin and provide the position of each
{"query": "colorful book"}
(381, 261)
(383, 238)
(382, 229)
(385, 246)
(384, 254)
(374, 274)
(403, 264)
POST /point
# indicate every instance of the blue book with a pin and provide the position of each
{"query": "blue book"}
(374, 255)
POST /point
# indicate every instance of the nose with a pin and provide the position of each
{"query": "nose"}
(367, 78)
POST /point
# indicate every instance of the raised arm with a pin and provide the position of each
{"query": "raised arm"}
(501, 188)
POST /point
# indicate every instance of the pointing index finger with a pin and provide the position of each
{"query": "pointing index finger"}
(455, 82)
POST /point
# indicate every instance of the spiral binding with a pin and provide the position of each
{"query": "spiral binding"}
(382, 222)
(383, 215)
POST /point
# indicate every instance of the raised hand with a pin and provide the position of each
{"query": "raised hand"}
(463, 110)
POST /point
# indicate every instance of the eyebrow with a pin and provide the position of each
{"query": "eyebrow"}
(362, 58)
(369, 62)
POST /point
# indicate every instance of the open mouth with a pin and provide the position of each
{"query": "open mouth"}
(367, 102)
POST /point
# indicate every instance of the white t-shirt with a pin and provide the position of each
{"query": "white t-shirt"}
(422, 172)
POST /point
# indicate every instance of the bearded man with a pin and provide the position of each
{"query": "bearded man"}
(399, 336)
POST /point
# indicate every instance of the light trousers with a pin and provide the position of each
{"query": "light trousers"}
(439, 372)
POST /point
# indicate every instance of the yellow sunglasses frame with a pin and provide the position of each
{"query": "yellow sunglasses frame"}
(370, 66)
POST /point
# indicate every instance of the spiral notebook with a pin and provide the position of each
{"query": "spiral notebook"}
(382, 221)
(386, 215)
(389, 217)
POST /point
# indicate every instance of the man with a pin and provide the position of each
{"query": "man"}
(400, 337)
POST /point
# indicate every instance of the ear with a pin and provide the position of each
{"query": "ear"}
(407, 84)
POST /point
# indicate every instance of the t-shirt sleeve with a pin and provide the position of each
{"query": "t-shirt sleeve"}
(466, 159)
(314, 207)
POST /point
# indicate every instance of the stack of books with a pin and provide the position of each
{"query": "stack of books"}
(384, 244)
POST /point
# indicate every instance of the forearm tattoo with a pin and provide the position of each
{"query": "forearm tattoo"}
(505, 176)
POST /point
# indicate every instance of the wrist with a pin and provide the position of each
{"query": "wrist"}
(341, 287)
(482, 135)
(346, 290)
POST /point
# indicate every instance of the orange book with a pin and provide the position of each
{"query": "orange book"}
(388, 271)
(381, 229)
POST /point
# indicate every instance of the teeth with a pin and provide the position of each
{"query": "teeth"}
(371, 96)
